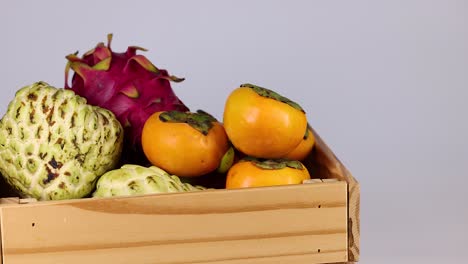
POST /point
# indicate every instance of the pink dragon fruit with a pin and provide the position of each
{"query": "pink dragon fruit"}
(127, 84)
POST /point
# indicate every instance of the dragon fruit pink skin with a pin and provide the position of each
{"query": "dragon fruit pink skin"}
(127, 84)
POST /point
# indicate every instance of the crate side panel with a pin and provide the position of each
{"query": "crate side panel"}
(205, 227)
(354, 196)
(323, 163)
(4, 201)
(266, 250)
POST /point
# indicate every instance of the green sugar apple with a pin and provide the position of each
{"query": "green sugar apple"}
(133, 179)
(53, 145)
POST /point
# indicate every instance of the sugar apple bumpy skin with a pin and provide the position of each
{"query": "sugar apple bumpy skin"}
(133, 179)
(53, 145)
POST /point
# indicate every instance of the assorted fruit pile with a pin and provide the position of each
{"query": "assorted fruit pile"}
(119, 129)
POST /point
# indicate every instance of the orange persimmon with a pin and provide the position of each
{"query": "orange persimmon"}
(304, 148)
(185, 144)
(251, 172)
(261, 123)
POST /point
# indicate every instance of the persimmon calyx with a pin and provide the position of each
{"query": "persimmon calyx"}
(275, 164)
(201, 121)
(265, 92)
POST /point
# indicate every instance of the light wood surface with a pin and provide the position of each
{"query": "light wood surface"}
(300, 224)
(6, 201)
(323, 163)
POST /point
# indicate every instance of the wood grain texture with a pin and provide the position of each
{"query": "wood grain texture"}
(4, 202)
(354, 222)
(323, 163)
(300, 224)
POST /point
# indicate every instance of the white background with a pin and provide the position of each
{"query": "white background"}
(383, 82)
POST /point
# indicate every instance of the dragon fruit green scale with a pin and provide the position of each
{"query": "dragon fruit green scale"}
(53, 145)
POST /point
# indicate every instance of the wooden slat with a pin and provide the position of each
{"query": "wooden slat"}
(300, 224)
(4, 201)
(27, 200)
(312, 181)
(323, 163)
(9, 200)
(216, 252)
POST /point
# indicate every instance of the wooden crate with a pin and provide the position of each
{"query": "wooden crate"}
(316, 222)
